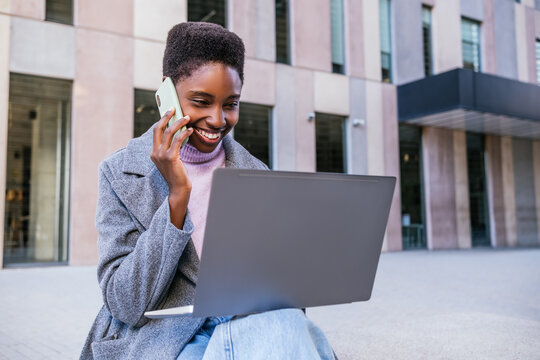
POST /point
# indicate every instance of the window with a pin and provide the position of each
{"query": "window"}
(253, 131)
(60, 11)
(336, 28)
(146, 111)
(282, 32)
(330, 135)
(426, 34)
(412, 195)
(213, 11)
(37, 170)
(386, 44)
(470, 40)
(538, 61)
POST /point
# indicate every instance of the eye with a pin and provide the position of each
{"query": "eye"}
(200, 102)
(232, 105)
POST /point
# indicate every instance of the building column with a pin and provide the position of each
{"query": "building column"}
(461, 183)
(439, 188)
(536, 171)
(4, 104)
(508, 190)
(102, 120)
(497, 219)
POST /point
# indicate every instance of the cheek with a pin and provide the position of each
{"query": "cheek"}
(233, 117)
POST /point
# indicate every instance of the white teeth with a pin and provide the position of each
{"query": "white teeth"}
(210, 136)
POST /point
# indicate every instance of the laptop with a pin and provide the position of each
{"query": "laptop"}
(280, 239)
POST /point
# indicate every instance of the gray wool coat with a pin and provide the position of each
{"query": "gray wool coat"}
(145, 262)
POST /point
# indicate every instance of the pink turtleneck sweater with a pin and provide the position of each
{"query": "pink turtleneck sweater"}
(199, 167)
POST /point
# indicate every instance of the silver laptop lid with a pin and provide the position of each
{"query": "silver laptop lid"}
(277, 239)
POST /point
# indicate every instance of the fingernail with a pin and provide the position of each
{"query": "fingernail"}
(171, 109)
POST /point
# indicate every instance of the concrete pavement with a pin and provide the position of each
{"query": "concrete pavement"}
(470, 304)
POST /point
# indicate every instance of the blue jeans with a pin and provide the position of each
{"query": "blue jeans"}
(279, 334)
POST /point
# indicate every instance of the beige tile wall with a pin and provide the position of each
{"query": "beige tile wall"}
(102, 123)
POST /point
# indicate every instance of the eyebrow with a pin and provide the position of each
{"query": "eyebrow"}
(205, 94)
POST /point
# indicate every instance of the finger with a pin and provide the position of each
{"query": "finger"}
(161, 125)
(179, 140)
(173, 129)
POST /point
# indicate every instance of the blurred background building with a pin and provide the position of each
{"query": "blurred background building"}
(442, 94)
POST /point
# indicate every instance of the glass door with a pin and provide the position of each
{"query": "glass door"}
(37, 176)
(412, 196)
(476, 157)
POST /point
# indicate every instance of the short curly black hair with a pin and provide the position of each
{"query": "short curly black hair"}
(191, 45)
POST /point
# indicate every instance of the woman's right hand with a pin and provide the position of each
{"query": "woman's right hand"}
(166, 156)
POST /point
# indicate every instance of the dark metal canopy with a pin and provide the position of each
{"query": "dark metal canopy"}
(472, 101)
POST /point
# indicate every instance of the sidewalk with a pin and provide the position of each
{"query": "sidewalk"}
(471, 304)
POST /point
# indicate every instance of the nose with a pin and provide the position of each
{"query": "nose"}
(217, 119)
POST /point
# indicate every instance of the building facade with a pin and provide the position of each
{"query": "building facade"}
(323, 80)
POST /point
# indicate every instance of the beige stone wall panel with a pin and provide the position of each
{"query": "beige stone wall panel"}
(461, 183)
(241, 21)
(508, 188)
(147, 64)
(354, 38)
(372, 40)
(42, 48)
(310, 31)
(530, 44)
(495, 189)
(521, 43)
(153, 19)
(440, 201)
(34, 9)
(4, 104)
(537, 23)
(488, 39)
(102, 123)
(374, 128)
(104, 15)
(306, 157)
(331, 93)
(284, 120)
(390, 147)
(259, 82)
(446, 20)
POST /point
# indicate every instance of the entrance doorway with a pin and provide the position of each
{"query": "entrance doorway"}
(412, 194)
(476, 166)
(37, 173)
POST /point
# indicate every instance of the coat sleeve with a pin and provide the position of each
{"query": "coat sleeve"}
(135, 269)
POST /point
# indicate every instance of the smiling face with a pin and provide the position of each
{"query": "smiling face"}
(211, 97)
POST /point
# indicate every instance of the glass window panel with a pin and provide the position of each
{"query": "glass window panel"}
(37, 170)
(146, 111)
(213, 11)
(253, 131)
(282, 32)
(386, 45)
(470, 34)
(426, 34)
(60, 11)
(330, 145)
(338, 51)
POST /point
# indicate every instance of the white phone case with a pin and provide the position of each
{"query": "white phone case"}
(166, 98)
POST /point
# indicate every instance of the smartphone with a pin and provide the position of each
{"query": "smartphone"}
(166, 98)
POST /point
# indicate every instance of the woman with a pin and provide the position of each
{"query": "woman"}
(152, 204)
